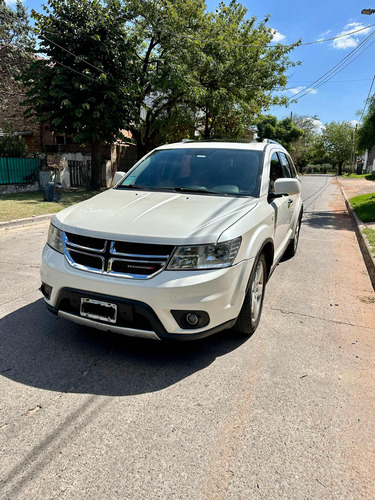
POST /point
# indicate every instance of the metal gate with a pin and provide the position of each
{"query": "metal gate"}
(19, 170)
(80, 172)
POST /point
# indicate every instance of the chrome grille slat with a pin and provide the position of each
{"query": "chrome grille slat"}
(133, 264)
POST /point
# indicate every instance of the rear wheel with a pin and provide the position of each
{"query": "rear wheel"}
(251, 310)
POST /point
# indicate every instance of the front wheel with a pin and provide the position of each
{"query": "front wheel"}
(249, 317)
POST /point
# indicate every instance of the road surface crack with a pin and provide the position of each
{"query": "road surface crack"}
(337, 322)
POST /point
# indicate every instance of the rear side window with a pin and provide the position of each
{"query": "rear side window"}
(292, 167)
(287, 164)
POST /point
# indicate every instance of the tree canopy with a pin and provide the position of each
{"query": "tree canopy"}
(283, 131)
(16, 44)
(83, 86)
(337, 138)
(366, 132)
(163, 69)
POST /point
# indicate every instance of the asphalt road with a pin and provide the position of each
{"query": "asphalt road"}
(285, 414)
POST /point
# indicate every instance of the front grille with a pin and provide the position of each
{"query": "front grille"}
(115, 258)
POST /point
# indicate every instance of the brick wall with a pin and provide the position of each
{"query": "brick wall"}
(11, 113)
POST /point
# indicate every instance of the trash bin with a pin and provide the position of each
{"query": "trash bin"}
(50, 188)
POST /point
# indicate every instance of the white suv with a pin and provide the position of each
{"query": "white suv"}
(181, 247)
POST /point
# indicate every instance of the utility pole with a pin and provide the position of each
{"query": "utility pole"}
(354, 146)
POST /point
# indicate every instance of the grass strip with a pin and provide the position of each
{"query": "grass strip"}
(364, 207)
(370, 233)
(369, 177)
(23, 205)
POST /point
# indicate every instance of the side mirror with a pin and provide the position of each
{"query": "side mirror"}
(118, 176)
(286, 187)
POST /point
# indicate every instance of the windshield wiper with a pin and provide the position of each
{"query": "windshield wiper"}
(194, 190)
(130, 186)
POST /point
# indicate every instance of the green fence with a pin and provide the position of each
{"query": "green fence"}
(19, 170)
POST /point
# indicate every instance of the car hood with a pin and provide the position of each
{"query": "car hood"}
(158, 217)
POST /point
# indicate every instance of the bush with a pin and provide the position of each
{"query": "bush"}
(12, 144)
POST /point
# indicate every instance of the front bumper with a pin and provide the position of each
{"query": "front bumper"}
(219, 293)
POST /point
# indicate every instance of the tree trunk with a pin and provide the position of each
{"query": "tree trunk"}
(206, 134)
(96, 165)
(340, 167)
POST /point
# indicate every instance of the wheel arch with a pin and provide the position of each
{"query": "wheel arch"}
(269, 252)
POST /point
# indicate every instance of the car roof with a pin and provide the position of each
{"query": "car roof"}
(250, 146)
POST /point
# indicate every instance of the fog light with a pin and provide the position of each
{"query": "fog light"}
(191, 319)
(46, 290)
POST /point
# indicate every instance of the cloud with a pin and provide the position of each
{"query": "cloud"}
(277, 37)
(10, 3)
(297, 90)
(354, 123)
(317, 124)
(323, 36)
(350, 41)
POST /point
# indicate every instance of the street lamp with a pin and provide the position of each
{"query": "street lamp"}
(368, 12)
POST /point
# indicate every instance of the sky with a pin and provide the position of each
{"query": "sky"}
(345, 94)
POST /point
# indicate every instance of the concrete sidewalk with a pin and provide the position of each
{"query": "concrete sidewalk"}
(356, 187)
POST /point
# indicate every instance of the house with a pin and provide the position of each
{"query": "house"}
(119, 155)
(370, 161)
(11, 112)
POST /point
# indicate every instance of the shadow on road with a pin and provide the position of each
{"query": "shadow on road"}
(41, 350)
(333, 219)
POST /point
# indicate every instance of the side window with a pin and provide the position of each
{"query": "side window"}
(292, 167)
(276, 170)
(285, 164)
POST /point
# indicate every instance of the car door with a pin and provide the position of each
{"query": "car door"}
(290, 172)
(281, 206)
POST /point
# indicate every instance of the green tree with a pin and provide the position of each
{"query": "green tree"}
(366, 132)
(237, 71)
(283, 131)
(215, 68)
(163, 33)
(303, 149)
(83, 88)
(16, 44)
(337, 140)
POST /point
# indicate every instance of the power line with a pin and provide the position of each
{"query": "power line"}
(222, 43)
(368, 98)
(57, 45)
(339, 36)
(336, 69)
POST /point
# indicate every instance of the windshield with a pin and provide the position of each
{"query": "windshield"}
(232, 172)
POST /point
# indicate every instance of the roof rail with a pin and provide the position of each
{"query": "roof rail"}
(270, 141)
(188, 140)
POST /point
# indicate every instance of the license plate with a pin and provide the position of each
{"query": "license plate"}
(98, 309)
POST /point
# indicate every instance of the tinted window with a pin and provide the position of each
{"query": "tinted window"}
(232, 172)
(286, 167)
(276, 170)
(292, 167)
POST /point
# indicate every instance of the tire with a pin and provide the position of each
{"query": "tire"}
(249, 317)
(291, 249)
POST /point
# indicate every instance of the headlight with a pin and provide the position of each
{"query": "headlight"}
(205, 256)
(54, 239)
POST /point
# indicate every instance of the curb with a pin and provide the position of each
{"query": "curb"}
(25, 222)
(359, 226)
